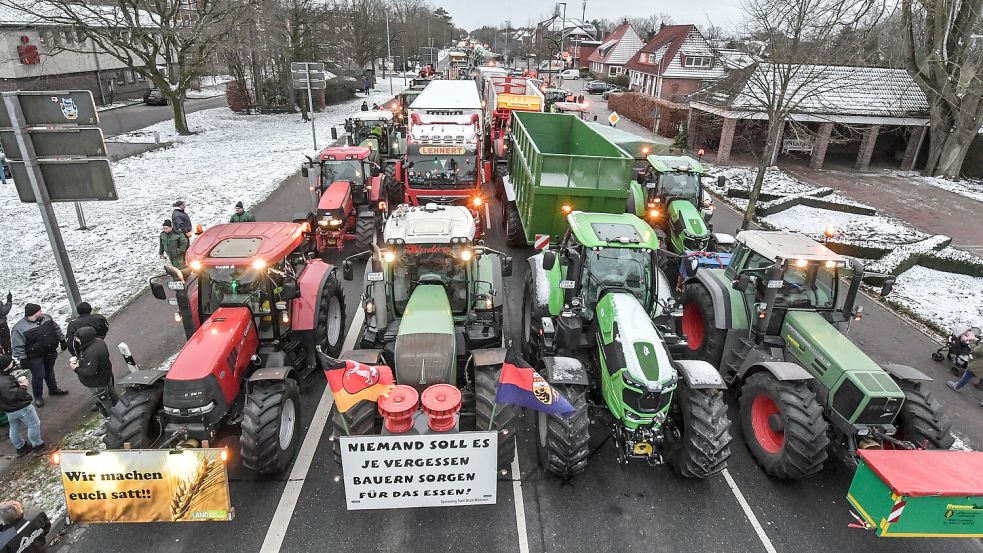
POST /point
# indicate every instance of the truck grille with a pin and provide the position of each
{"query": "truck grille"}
(443, 200)
(645, 402)
(880, 410)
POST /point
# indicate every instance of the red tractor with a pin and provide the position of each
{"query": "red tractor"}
(348, 191)
(257, 306)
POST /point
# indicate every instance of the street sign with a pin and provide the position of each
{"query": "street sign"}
(70, 142)
(614, 118)
(74, 107)
(68, 180)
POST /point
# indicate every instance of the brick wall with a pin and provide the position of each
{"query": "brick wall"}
(82, 81)
(676, 90)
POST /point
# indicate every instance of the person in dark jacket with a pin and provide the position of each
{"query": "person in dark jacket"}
(86, 318)
(182, 223)
(4, 329)
(95, 369)
(173, 245)
(15, 402)
(365, 106)
(35, 341)
(241, 215)
(22, 532)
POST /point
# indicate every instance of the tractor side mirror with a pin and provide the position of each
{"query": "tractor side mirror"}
(375, 172)
(304, 171)
(742, 282)
(157, 289)
(692, 266)
(507, 266)
(289, 290)
(887, 287)
(334, 133)
(549, 260)
(346, 270)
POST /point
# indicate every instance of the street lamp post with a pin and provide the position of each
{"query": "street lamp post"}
(563, 27)
(389, 55)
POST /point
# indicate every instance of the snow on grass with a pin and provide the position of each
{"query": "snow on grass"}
(776, 182)
(969, 188)
(946, 299)
(873, 229)
(230, 158)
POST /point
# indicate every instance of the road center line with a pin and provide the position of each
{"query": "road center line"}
(758, 529)
(520, 507)
(298, 474)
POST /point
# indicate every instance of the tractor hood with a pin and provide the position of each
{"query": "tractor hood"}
(631, 342)
(687, 221)
(425, 346)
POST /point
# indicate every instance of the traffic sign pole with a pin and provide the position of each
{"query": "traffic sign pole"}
(34, 176)
(310, 105)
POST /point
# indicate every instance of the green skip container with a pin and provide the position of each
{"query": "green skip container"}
(920, 494)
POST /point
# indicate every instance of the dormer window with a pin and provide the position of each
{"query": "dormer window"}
(690, 60)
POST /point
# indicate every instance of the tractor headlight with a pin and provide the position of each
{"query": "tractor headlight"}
(323, 223)
(196, 265)
(335, 222)
(388, 256)
(466, 255)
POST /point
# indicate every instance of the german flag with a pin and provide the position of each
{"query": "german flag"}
(352, 382)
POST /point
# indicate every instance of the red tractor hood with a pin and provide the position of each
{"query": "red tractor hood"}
(222, 346)
(336, 196)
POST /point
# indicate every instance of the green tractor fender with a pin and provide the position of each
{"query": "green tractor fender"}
(700, 375)
(781, 370)
(547, 294)
(729, 312)
(905, 373)
(564, 370)
(636, 199)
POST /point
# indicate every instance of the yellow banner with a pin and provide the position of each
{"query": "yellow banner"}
(146, 485)
(519, 102)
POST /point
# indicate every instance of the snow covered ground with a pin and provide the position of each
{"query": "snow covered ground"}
(946, 299)
(230, 158)
(874, 229)
(970, 188)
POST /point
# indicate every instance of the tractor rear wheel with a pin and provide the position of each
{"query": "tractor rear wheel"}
(485, 390)
(270, 426)
(705, 342)
(360, 420)
(783, 426)
(391, 187)
(365, 229)
(135, 419)
(528, 338)
(922, 420)
(563, 441)
(330, 329)
(698, 438)
(513, 226)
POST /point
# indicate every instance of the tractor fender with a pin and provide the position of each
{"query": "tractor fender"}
(311, 282)
(271, 373)
(538, 275)
(272, 357)
(636, 199)
(904, 372)
(509, 188)
(141, 378)
(781, 370)
(375, 189)
(365, 356)
(700, 375)
(564, 370)
(720, 292)
(488, 357)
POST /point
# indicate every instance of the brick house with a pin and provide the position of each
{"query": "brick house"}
(610, 57)
(677, 62)
(35, 55)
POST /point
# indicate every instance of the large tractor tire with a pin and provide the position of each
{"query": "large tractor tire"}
(330, 328)
(271, 426)
(392, 188)
(922, 420)
(783, 426)
(704, 342)
(485, 390)
(563, 441)
(135, 419)
(361, 420)
(365, 230)
(698, 440)
(514, 236)
(527, 341)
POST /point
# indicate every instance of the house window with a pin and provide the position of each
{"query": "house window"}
(697, 61)
(131, 77)
(120, 77)
(614, 70)
(69, 36)
(140, 76)
(80, 36)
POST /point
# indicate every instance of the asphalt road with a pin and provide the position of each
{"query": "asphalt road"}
(131, 118)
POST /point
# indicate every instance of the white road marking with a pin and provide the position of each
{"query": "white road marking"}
(520, 507)
(298, 474)
(487, 217)
(758, 529)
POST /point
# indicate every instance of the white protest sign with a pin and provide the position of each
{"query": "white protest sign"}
(439, 470)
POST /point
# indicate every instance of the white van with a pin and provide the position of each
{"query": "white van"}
(570, 74)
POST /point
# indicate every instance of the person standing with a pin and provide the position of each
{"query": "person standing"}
(4, 329)
(181, 220)
(241, 215)
(3, 174)
(86, 318)
(173, 245)
(365, 106)
(35, 341)
(95, 370)
(975, 367)
(15, 401)
(23, 532)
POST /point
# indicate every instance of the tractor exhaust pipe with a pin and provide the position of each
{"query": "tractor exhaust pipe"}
(764, 317)
(851, 294)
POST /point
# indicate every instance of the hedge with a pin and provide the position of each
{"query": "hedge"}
(638, 107)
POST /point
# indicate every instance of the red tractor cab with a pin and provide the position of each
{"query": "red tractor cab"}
(257, 306)
(348, 195)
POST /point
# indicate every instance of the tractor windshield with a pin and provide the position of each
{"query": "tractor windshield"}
(624, 268)
(680, 185)
(446, 171)
(813, 285)
(349, 170)
(236, 286)
(430, 264)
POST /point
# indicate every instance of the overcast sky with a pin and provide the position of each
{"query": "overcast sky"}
(472, 14)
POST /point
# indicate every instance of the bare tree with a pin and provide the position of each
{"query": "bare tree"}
(166, 42)
(943, 51)
(804, 38)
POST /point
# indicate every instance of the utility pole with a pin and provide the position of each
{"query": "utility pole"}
(389, 53)
(563, 27)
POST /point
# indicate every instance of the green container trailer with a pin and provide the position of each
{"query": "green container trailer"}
(919, 494)
(555, 161)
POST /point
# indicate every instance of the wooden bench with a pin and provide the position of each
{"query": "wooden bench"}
(796, 145)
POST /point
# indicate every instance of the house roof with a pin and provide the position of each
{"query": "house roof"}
(821, 90)
(671, 35)
(607, 51)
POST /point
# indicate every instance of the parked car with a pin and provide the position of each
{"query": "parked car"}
(154, 97)
(615, 90)
(570, 74)
(598, 87)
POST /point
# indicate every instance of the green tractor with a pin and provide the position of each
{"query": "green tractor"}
(379, 131)
(771, 321)
(587, 316)
(676, 204)
(433, 300)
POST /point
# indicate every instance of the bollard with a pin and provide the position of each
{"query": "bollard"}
(131, 363)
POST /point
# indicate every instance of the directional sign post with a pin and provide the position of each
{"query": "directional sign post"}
(308, 75)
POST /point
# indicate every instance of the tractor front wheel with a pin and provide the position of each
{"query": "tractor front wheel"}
(783, 426)
(698, 437)
(705, 342)
(922, 420)
(365, 230)
(135, 419)
(513, 226)
(495, 416)
(270, 426)
(360, 420)
(563, 440)
(393, 189)
(330, 329)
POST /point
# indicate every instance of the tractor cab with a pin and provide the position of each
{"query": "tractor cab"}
(376, 130)
(675, 201)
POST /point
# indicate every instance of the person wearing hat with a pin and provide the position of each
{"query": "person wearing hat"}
(35, 341)
(15, 401)
(241, 215)
(182, 223)
(86, 318)
(173, 245)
